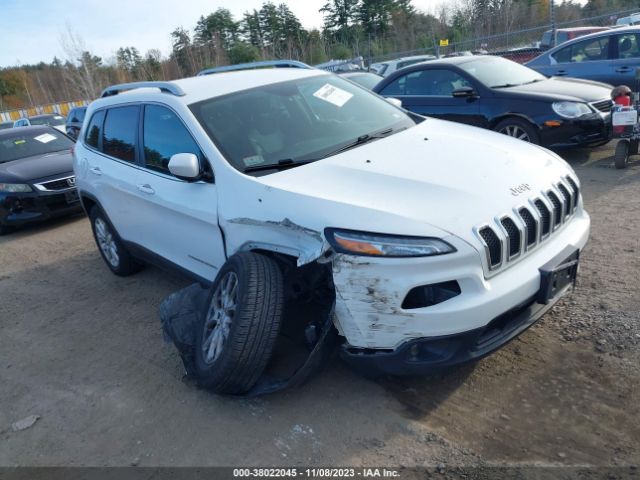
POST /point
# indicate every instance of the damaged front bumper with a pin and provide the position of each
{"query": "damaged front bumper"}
(385, 332)
(428, 355)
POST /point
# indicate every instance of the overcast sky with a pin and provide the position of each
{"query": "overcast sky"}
(31, 29)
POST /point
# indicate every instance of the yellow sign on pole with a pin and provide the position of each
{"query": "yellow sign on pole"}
(444, 42)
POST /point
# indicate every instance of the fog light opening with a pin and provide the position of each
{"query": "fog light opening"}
(429, 295)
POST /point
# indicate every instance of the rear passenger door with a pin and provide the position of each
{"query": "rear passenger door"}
(111, 135)
(175, 219)
(626, 59)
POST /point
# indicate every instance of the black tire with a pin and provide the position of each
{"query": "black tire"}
(621, 157)
(4, 230)
(520, 128)
(633, 147)
(124, 264)
(252, 330)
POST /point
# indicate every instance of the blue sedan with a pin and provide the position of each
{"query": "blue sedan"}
(609, 57)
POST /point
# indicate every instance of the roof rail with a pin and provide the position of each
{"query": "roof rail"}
(253, 65)
(165, 87)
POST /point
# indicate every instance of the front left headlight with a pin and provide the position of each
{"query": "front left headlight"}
(571, 109)
(383, 245)
(14, 187)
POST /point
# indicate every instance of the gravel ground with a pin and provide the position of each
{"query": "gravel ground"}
(82, 351)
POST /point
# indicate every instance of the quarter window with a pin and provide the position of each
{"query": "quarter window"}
(94, 129)
(119, 137)
(164, 136)
(585, 51)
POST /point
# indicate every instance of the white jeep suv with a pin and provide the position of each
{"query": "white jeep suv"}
(434, 242)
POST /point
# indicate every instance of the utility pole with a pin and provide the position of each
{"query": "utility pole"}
(552, 17)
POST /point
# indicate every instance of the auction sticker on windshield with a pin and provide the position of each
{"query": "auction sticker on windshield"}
(45, 138)
(332, 94)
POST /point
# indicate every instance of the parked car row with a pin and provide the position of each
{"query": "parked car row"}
(70, 125)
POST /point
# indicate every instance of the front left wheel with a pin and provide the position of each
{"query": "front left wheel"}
(518, 128)
(240, 325)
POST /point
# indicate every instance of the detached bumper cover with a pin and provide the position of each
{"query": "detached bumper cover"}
(426, 355)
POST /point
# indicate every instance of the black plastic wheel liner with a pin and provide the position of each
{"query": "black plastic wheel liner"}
(181, 314)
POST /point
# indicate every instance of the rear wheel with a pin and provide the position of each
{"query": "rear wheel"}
(239, 328)
(621, 157)
(633, 147)
(111, 248)
(518, 128)
(5, 229)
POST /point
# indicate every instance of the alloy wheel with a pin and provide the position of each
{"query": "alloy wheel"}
(219, 317)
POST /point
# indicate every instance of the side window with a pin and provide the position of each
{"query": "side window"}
(399, 85)
(427, 83)
(585, 51)
(92, 136)
(119, 134)
(164, 136)
(628, 46)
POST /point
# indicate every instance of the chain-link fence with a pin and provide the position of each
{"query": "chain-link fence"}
(519, 45)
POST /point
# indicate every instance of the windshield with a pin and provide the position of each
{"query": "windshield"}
(49, 120)
(296, 122)
(14, 146)
(496, 72)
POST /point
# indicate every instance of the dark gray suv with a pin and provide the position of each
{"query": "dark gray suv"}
(74, 121)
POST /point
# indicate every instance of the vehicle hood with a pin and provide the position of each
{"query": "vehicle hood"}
(554, 89)
(37, 167)
(435, 177)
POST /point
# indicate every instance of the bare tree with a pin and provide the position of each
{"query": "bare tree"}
(83, 71)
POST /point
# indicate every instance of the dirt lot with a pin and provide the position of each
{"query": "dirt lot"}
(83, 350)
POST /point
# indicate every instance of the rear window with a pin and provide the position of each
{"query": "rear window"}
(76, 115)
(19, 144)
(48, 120)
(119, 133)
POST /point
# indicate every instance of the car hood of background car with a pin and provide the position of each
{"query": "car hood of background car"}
(554, 89)
(32, 168)
(438, 174)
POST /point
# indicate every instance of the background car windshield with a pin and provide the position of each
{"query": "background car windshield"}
(496, 72)
(21, 145)
(300, 120)
(52, 120)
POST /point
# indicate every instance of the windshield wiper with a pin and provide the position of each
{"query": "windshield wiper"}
(279, 165)
(362, 139)
(506, 85)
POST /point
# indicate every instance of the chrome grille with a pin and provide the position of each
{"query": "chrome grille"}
(545, 217)
(603, 106)
(531, 226)
(65, 183)
(510, 236)
(557, 208)
(576, 191)
(513, 235)
(493, 246)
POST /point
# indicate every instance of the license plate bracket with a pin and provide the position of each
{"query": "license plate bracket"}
(558, 274)
(72, 196)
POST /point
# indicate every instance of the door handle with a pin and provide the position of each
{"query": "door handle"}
(95, 170)
(623, 70)
(146, 188)
(561, 73)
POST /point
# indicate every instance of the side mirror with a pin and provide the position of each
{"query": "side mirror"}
(185, 166)
(464, 92)
(394, 101)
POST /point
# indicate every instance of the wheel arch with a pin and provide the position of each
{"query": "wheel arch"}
(520, 116)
